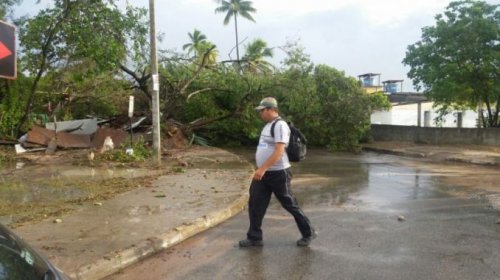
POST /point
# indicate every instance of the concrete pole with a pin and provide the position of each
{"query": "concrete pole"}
(479, 114)
(459, 119)
(155, 104)
(427, 119)
(419, 114)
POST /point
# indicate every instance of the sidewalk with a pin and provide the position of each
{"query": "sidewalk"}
(100, 239)
(471, 154)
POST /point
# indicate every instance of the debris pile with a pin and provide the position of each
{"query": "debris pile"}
(79, 134)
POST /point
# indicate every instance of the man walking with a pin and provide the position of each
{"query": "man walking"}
(273, 176)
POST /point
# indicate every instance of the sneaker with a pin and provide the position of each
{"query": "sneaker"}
(306, 241)
(251, 243)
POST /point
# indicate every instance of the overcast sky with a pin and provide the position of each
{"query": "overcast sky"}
(355, 36)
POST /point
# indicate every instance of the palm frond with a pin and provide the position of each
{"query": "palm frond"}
(228, 17)
(195, 139)
(246, 15)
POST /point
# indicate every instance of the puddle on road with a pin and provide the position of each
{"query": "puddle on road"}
(379, 181)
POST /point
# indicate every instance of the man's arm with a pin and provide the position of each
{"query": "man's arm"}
(275, 156)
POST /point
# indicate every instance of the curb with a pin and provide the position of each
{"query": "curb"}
(492, 162)
(485, 162)
(395, 152)
(115, 261)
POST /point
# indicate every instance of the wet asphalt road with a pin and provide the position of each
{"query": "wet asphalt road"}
(354, 203)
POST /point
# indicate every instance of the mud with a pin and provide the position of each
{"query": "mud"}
(36, 186)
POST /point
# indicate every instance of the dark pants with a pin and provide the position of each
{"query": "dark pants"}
(277, 182)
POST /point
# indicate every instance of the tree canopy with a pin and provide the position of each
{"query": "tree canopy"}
(197, 38)
(457, 61)
(78, 59)
(6, 7)
(254, 59)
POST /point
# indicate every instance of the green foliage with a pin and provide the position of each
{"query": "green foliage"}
(456, 61)
(332, 109)
(74, 54)
(196, 139)
(207, 54)
(233, 8)
(178, 169)
(254, 58)
(329, 107)
(196, 39)
(6, 7)
(296, 60)
(141, 153)
(73, 51)
(12, 98)
(72, 32)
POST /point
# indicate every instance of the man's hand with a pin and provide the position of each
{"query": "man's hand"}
(259, 173)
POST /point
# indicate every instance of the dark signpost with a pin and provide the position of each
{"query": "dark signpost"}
(7, 51)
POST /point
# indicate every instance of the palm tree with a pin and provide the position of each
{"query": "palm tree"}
(235, 8)
(207, 53)
(197, 38)
(254, 58)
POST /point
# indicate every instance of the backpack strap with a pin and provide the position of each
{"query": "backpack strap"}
(300, 134)
(274, 124)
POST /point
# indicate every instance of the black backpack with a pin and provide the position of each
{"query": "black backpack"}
(296, 149)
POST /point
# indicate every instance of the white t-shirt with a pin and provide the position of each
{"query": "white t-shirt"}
(267, 144)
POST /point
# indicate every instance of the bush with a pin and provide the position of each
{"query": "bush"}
(141, 152)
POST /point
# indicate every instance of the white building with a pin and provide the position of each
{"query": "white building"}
(405, 108)
(407, 114)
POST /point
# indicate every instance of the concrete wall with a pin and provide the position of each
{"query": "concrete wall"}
(437, 135)
(407, 114)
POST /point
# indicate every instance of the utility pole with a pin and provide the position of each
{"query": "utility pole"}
(155, 104)
(419, 114)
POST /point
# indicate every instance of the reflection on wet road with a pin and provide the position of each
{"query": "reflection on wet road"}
(378, 217)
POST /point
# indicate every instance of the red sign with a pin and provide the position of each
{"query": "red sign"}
(8, 59)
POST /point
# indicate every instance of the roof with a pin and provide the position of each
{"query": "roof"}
(368, 75)
(407, 97)
(392, 81)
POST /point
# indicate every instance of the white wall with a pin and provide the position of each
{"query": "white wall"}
(408, 115)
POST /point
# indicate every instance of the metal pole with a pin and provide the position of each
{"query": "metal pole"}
(155, 106)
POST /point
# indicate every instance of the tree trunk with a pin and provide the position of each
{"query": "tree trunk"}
(237, 42)
(497, 113)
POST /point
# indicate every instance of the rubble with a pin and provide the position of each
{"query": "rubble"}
(43, 136)
(83, 127)
(77, 134)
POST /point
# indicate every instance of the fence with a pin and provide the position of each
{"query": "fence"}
(436, 135)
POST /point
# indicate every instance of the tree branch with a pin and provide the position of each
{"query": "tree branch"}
(141, 81)
(198, 91)
(197, 72)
